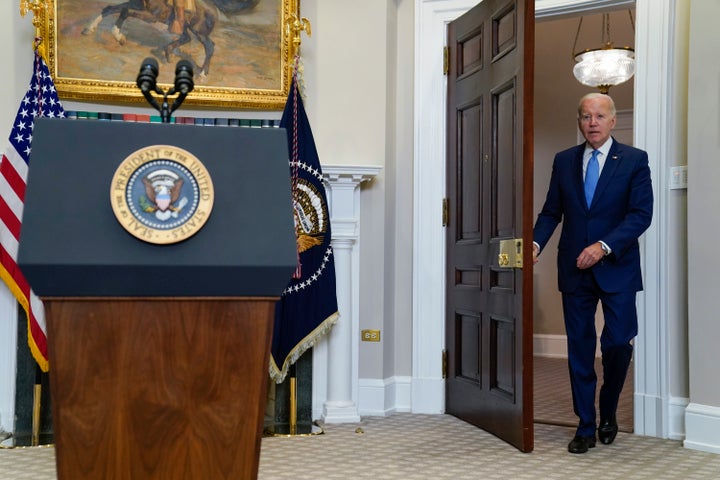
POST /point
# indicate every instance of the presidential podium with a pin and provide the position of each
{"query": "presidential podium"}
(159, 330)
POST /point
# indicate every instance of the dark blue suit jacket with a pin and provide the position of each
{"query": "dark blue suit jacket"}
(620, 212)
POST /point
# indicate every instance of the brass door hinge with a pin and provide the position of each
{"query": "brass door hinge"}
(444, 364)
(446, 60)
(445, 212)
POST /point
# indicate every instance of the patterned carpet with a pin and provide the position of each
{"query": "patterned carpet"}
(553, 400)
(435, 447)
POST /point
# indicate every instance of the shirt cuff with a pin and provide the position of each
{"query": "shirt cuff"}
(606, 248)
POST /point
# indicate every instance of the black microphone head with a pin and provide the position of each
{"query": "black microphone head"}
(184, 77)
(184, 65)
(147, 78)
(152, 63)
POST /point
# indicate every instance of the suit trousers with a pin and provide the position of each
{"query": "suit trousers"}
(620, 327)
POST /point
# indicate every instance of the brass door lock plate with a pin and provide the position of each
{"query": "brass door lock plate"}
(511, 253)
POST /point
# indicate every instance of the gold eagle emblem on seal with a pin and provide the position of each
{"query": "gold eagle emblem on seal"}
(311, 217)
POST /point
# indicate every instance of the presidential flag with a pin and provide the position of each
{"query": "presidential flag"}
(40, 100)
(307, 309)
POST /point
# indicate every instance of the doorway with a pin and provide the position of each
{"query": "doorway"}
(556, 96)
(655, 414)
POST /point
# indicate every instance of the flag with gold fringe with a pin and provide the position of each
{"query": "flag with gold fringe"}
(308, 308)
(40, 100)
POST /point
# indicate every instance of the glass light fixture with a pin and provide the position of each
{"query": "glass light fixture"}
(607, 65)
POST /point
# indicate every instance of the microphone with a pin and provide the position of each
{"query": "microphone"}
(147, 78)
(184, 77)
(147, 83)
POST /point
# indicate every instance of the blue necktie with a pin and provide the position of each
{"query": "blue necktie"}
(591, 177)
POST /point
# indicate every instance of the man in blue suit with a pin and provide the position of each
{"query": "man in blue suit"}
(602, 193)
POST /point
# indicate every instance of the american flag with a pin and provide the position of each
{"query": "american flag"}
(41, 100)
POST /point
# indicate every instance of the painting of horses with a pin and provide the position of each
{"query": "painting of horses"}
(239, 49)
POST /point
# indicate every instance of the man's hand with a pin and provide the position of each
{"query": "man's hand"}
(590, 256)
(536, 252)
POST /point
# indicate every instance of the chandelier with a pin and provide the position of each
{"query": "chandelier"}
(607, 65)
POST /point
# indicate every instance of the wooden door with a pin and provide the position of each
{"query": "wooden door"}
(490, 146)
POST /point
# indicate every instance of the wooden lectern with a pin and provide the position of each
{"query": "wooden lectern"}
(158, 353)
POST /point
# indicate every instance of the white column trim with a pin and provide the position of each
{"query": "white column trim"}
(654, 133)
(335, 358)
(428, 335)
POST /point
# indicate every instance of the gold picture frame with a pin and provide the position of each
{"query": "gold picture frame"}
(94, 56)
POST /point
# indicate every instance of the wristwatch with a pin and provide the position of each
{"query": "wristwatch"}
(605, 248)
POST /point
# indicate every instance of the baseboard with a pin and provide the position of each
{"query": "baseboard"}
(428, 395)
(554, 346)
(676, 417)
(702, 428)
(380, 397)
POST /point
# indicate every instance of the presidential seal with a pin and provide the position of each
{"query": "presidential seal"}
(162, 194)
(311, 219)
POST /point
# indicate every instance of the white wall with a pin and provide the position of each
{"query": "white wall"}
(703, 225)
(352, 74)
(399, 174)
(358, 73)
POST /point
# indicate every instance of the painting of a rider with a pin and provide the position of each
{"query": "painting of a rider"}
(181, 10)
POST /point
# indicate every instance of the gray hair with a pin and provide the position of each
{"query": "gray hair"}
(597, 96)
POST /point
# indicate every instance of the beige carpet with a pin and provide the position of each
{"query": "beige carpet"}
(553, 399)
(435, 447)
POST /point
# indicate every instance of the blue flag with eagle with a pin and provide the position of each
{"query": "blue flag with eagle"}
(307, 309)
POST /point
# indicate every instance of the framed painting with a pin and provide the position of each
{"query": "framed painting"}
(241, 49)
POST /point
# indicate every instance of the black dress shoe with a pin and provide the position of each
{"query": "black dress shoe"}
(607, 431)
(581, 444)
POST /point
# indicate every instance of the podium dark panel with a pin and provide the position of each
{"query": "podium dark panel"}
(72, 245)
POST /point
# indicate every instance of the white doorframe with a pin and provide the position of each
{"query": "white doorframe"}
(653, 132)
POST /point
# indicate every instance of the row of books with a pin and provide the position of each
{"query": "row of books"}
(137, 117)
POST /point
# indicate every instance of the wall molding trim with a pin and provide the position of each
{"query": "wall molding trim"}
(379, 397)
(335, 357)
(702, 422)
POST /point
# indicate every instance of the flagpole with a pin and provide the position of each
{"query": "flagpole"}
(293, 405)
(292, 428)
(37, 402)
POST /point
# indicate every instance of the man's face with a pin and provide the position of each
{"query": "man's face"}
(596, 122)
